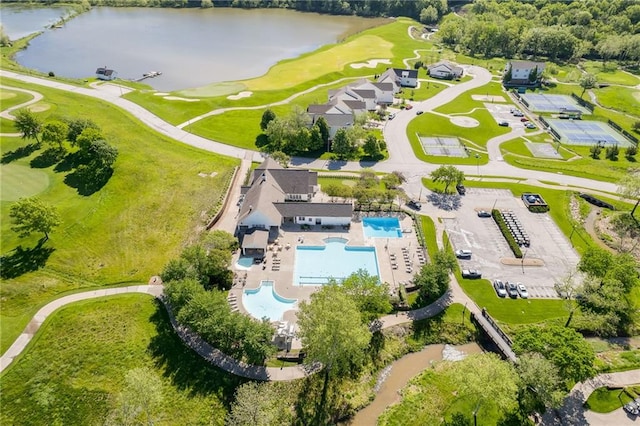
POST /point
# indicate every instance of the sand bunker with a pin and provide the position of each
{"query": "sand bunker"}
(485, 98)
(212, 174)
(39, 107)
(465, 121)
(177, 98)
(371, 63)
(239, 96)
(160, 94)
(7, 95)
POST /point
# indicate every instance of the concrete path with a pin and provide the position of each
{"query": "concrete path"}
(7, 112)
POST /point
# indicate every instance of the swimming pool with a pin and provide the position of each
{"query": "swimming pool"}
(382, 227)
(315, 265)
(265, 302)
(244, 262)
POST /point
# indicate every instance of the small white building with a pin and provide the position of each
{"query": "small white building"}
(106, 74)
(400, 77)
(445, 70)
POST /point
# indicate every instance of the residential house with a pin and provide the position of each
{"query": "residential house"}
(278, 196)
(400, 78)
(523, 73)
(445, 70)
(106, 74)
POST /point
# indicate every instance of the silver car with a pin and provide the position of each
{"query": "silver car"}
(501, 289)
(522, 291)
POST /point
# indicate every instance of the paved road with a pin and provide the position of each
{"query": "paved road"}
(401, 154)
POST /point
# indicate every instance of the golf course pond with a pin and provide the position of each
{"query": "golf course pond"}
(191, 47)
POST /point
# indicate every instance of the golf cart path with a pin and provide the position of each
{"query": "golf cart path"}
(194, 341)
(37, 97)
(401, 153)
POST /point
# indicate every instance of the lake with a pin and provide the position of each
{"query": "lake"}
(191, 47)
(20, 21)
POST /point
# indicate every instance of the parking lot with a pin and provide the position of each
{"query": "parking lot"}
(502, 112)
(548, 259)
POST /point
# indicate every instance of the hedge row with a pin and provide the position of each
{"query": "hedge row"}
(515, 248)
(538, 209)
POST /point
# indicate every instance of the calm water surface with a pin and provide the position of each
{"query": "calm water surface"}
(191, 47)
(19, 21)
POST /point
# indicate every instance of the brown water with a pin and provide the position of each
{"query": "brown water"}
(401, 372)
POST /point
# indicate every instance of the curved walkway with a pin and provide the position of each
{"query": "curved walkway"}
(7, 112)
(194, 341)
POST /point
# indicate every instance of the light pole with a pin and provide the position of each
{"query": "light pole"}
(522, 260)
(478, 163)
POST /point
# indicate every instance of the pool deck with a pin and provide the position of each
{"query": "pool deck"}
(280, 259)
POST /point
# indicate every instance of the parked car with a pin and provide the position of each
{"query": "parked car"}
(461, 189)
(419, 112)
(517, 113)
(524, 119)
(631, 408)
(392, 116)
(503, 124)
(463, 254)
(471, 273)
(512, 289)
(501, 290)
(522, 291)
(484, 213)
(530, 125)
(408, 107)
(414, 204)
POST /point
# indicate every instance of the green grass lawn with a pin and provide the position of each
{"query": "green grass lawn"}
(73, 370)
(123, 233)
(7, 126)
(20, 181)
(429, 230)
(623, 100)
(604, 400)
(609, 74)
(465, 102)
(10, 98)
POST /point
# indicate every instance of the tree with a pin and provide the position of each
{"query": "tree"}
(4, 38)
(629, 186)
(486, 380)
(429, 15)
(342, 145)
(267, 117)
(280, 157)
(630, 152)
(636, 126)
(628, 231)
(587, 82)
(448, 175)
(596, 262)
(337, 341)
(86, 137)
(323, 126)
(140, 402)
(368, 293)
(371, 147)
(28, 124)
(609, 47)
(100, 155)
(540, 384)
(55, 132)
(221, 240)
(567, 289)
(32, 215)
(433, 278)
(595, 151)
(259, 404)
(572, 355)
(78, 125)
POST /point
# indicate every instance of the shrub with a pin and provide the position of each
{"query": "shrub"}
(612, 152)
(51, 74)
(631, 152)
(515, 248)
(595, 151)
(538, 209)
(636, 126)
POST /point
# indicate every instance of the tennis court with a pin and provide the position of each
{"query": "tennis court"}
(443, 146)
(574, 132)
(552, 103)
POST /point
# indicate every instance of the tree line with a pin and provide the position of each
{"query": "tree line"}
(557, 30)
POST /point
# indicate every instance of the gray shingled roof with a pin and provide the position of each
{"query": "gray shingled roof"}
(315, 209)
(259, 238)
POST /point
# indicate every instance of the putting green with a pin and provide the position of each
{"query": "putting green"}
(4, 95)
(214, 89)
(19, 181)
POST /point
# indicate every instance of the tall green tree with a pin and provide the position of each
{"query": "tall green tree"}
(259, 404)
(267, 117)
(332, 334)
(140, 402)
(78, 125)
(448, 175)
(28, 124)
(343, 146)
(369, 294)
(323, 127)
(587, 82)
(55, 132)
(540, 383)
(32, 215)
(629, 186)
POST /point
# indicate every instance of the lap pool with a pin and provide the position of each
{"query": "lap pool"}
(382, 227)
(316, 265)
(264, 302)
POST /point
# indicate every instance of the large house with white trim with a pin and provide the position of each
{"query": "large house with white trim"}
(347, 103)
(445, 70)
(399, 78)
(520, 73)
(278, 196)
(103, 73)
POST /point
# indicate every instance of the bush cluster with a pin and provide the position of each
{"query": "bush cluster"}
(538, 209)
(515, 248)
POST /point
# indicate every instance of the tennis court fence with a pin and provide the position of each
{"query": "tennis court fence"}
(623, 131)
(588, 105)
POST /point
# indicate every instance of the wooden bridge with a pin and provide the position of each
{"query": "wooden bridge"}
(495, 333)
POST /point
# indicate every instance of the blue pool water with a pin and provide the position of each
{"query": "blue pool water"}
(317, 264)
(382, 227)
(265, 302)
(244, 262)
